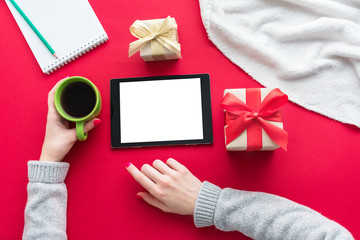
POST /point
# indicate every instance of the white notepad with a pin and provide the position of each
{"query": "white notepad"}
(69, 26)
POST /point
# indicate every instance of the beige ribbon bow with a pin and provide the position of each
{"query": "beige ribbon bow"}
(164, 35)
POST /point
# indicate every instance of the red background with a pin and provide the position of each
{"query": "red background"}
(320, 169)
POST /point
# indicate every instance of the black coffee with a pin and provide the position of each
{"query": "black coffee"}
(78, 99)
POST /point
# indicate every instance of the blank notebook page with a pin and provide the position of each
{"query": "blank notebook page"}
(69, 26)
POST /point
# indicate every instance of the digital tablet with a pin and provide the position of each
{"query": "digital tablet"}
(165, 110)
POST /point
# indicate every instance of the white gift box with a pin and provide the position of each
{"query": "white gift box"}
(240, 143)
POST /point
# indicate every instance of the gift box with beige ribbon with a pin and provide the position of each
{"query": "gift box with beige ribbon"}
(253, 119)
(157, 39)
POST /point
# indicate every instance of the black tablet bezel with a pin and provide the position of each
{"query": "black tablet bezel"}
(206, 112)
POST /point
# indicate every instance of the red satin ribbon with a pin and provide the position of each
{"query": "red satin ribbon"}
(240, 116)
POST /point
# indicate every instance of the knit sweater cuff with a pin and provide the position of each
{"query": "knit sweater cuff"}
(47, 172)
(205, 204)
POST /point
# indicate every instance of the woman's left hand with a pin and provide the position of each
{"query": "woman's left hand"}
(59, 138)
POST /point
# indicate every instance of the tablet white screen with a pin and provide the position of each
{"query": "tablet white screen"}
(160, 110)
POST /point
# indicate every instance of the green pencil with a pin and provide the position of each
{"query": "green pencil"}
(33, 27)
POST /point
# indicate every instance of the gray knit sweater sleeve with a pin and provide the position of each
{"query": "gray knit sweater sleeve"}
(45, 211)
(262, 216)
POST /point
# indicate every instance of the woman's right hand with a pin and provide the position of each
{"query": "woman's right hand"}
(171, 186)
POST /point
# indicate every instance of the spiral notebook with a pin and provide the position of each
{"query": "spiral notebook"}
(69, 26)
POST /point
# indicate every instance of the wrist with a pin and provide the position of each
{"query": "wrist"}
(45, 157)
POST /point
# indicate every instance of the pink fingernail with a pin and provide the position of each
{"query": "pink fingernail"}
(97, 122)
(127, 164)
(139, 196)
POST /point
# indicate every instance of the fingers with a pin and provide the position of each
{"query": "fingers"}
(51, 105)
(157, 173)
(91, 125)
(141, 178)
(56, 85)
(151, 200)
(162, 167)
(175, 165)
(52, 92)
(151, 173)
(176, 193)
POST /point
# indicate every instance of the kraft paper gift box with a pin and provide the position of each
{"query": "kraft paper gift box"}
(253, 119)
(158, 39)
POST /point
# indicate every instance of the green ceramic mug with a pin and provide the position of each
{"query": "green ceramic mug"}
(78, 100)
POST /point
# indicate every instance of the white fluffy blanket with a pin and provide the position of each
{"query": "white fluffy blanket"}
(310, 49)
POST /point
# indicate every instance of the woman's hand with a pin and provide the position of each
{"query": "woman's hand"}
(59, 138)
(171, 186)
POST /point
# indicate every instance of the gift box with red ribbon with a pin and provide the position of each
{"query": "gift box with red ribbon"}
(253, 119)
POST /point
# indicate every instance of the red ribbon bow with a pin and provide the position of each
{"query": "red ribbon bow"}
(240, 117)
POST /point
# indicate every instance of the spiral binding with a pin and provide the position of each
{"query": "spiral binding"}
(75, 54)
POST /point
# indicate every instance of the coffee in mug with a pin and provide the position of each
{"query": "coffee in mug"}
(78, 99)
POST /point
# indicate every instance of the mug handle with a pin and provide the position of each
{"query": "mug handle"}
(80, 131)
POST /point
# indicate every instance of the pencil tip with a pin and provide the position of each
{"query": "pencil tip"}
(55, 55)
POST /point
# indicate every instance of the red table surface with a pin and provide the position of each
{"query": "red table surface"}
(320, 169)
